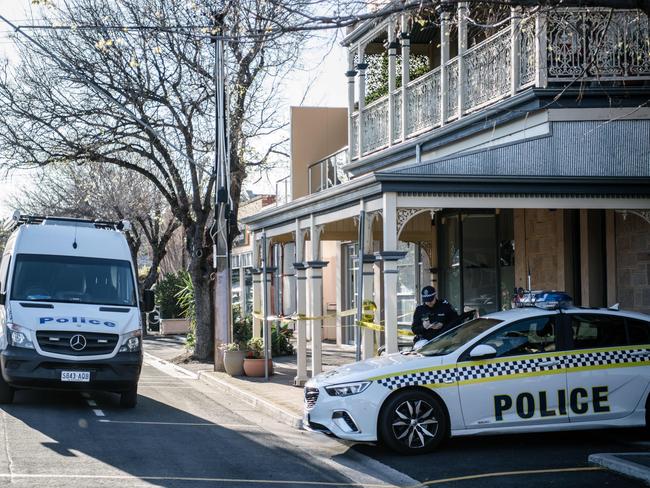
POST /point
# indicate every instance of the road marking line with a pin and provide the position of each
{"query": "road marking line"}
(509, 473)
(91, 403)
(168, 368)
(98, 412)
(189, 478)
(168, 387)
(85, 394)
(189, 424)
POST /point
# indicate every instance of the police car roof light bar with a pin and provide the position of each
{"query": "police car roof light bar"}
(547, 299)
(18, 219)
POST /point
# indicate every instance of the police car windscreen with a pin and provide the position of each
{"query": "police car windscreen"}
(73, 279)
(452, 340)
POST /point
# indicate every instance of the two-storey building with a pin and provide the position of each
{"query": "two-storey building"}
(486, 150)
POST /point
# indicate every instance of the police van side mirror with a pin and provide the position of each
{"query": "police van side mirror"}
(148, 301)
(483, 351)
(3, 298)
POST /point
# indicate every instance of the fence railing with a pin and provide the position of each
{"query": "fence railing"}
(327, 172)
(556, 47)
(283, 190)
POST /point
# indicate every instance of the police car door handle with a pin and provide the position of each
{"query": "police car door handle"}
(448, 380)
(551, 362)
(640, 353)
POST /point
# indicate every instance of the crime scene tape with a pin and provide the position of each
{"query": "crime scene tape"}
(380, 328)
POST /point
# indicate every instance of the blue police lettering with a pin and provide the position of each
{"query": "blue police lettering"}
(526, 404)
(77, 320)
(42, 320)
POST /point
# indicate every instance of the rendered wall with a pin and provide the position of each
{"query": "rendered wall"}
(633, 263)
(316, 133)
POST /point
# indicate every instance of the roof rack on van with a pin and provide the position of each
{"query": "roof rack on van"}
(18, 219)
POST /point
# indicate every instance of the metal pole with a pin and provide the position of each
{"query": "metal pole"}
(265, 309)
(357, 329)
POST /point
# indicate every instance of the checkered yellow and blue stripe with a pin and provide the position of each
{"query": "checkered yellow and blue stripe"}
(518, 367)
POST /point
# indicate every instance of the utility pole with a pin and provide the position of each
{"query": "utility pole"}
(223, 203)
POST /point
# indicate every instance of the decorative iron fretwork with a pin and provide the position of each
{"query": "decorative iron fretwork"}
(354, 144)
(598, 44)
(488, 70)
(644, 214)
(427, 248)
(452, 89)
(404, 215)
(527, 61)
(375, 125)
(423, 103)
(397, 115)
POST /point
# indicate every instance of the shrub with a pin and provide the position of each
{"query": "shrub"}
(281, 341)
(166, 290)
(255, 348)
(242, 326)
(185, 299)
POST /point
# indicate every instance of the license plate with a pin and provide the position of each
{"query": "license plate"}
(80, 376)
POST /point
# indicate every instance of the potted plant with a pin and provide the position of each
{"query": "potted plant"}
(254, 361)
(233, 359)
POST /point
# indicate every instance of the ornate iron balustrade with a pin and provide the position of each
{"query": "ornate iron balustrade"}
(328, 172)
(423, 102)
(375, 125)
(488, 71)
(598, 44)
(601, 45)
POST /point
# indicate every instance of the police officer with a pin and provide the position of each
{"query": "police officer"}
(433, 317)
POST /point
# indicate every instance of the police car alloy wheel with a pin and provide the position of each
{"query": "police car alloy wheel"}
(413, 422)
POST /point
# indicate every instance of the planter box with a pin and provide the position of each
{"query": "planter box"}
(174, 326)
(255, 367)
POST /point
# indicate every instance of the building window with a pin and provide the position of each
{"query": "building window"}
(476, 259)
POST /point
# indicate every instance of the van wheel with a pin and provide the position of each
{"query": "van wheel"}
(413, 422)
(6, 392)
(129, 398)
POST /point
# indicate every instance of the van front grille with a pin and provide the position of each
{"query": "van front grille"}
(75, 343)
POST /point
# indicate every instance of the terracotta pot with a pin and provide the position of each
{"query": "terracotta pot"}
(255, 367)
(233, 362)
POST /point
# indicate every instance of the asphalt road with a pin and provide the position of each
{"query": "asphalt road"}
(187, 434)
(181, 434)
(531, 460)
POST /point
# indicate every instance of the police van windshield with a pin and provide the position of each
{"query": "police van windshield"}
(452, 340)
(72, 279)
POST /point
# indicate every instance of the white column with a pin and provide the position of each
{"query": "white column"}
(368, 335)
(301, 307)
(315, 277)
(301, 325)
(406, 50)
(515, 49)
(541, 80)
(462, 47)
(444, 58)
(350, 74)
(392, 78)
(257, 301)
(361, 68)
(390, 256)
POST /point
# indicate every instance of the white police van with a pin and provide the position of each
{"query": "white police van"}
(70, 316)
(523, 370)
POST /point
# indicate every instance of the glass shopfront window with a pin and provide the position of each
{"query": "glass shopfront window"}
(476, 259)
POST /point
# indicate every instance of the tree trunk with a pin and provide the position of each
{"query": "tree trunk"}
(203, 349)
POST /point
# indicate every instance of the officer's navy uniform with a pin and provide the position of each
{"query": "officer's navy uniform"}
(442, 311)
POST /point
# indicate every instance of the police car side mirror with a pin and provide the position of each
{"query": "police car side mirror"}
(483, 351)
(148, 301)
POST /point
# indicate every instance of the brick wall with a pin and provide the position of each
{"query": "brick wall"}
(633, 263)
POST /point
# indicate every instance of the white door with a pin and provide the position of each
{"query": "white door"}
(524, 384)
(608, 367)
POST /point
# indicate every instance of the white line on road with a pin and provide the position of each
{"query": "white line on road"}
(189, 424)
(91, 403)
(98, 412)
(168, 368)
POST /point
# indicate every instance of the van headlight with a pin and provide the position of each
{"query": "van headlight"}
(132, 342)
(18, 336)
(347, 389)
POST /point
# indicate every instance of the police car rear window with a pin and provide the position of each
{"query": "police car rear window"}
(452, 340)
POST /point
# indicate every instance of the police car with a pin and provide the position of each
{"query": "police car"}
(523, 370)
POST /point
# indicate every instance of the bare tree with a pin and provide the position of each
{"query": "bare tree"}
(143, 100)
(105, 192)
